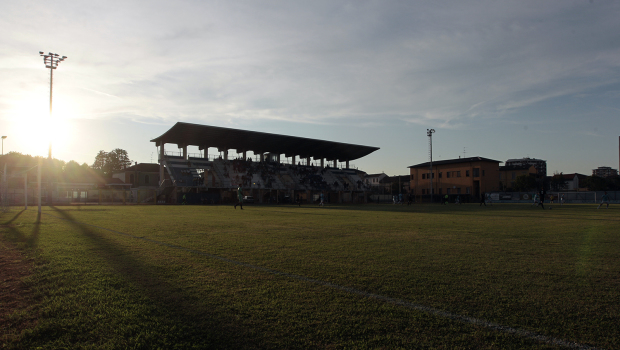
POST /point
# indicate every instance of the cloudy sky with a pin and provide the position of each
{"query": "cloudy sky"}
(499, 79)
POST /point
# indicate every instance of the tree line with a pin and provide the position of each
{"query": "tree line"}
(105, 164)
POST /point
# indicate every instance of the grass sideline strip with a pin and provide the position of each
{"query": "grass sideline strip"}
(400, 302)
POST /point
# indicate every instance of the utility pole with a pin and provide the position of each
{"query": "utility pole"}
(51, 61)
(429, 133)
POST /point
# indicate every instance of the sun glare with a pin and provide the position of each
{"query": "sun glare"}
(34, 128)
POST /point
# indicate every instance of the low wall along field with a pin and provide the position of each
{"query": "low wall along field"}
(273, 277)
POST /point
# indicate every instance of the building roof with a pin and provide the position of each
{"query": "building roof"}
(376, 175)
(187, 134)
(572, 176)
(145, 167)
(455, 161)
(395, 178)
(115, 181)
(525, 159)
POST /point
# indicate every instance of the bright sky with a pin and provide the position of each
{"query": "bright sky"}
(499, 79)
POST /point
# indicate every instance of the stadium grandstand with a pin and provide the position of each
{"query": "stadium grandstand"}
(282, 169)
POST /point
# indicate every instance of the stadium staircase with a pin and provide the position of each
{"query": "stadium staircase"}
(220, 168)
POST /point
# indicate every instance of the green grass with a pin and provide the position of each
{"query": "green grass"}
(555, 273)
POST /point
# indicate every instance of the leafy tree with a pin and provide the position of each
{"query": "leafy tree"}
(118, 159)
(100, 161)
(108, 162)
(525, 183)
(558, 182)
(74, 172)
(613, 183)
(595, 183)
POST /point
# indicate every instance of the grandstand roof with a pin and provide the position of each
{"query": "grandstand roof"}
(260, 142)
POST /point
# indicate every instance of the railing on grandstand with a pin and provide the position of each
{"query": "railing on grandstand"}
(257, 158)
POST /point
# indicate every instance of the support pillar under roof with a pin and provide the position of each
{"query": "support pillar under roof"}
(161, 164)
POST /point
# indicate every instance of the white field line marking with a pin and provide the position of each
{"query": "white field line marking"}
(404, 303)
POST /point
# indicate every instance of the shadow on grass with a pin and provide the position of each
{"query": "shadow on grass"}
(17, 236)
(195, 324)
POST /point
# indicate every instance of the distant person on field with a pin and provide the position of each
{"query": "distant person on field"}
(605, 200)
(409, 198)
(457, 200)
(551, 199)
(239, 197)
(562, 199)
(535, 197)
(483, 199)
(321, 203)
(541, 202)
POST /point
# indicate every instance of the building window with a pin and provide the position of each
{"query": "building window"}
(439, 190)
(440, 175)
(448, 190)
(466, 173)
(476, 172)
(458, 190)
(423, 176)
(447, 174)
(482, 172)
(147, 180)
(468, 190)
(458, 174)
(131, 178)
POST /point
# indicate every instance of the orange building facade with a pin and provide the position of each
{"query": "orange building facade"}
(465, 176)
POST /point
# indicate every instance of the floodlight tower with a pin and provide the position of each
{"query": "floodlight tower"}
(429, 133)
(51, 61)
(3, 137)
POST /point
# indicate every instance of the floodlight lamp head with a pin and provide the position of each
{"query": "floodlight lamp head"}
(3, 137)
(41, 53)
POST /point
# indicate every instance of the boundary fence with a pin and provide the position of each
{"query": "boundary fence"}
(17, 197)
(569, 197)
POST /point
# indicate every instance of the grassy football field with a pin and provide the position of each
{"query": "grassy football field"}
(286, 277)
